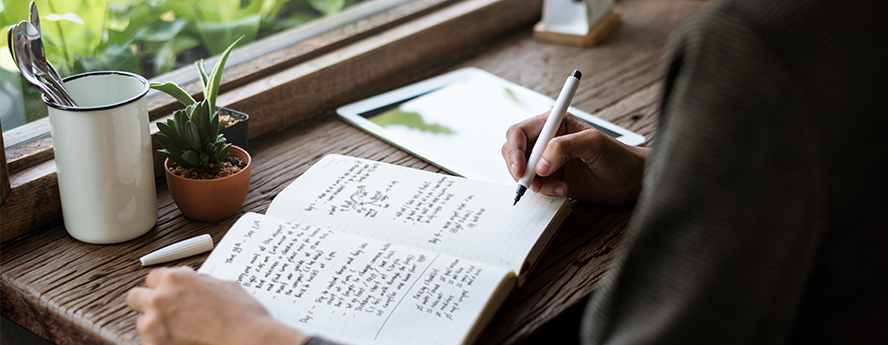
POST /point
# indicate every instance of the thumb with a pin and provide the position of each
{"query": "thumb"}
(582, 145)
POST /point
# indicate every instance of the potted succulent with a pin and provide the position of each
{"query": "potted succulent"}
(208, 177)
(232, 123)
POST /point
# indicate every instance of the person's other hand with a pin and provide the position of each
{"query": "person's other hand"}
(580, 162)
(179, 306)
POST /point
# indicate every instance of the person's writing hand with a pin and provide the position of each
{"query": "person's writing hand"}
(179, 306)
(580, 162)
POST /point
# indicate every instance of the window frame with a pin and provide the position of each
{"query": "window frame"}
(309, 79)
(31, 143)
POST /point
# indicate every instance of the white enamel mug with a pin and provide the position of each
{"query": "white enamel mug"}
(103, 157)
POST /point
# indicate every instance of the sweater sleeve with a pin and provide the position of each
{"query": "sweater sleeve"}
(727, 225)
(319, 341)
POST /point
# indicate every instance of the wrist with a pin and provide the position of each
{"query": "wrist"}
(641, 155)
(632, 174)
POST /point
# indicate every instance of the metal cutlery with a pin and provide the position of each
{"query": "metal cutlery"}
(41, 67)
(26, 47)
(23, 61)
(35, 20)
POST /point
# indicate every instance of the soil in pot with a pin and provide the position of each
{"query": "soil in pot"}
(228, 119)
(233, 165)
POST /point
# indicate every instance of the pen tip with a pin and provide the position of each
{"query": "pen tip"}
(518, 193)
(577, 74)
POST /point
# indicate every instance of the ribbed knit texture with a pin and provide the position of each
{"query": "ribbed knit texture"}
(764, 213)
(319, 341)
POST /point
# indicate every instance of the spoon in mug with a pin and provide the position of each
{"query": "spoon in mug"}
(23, 60)
(35, 21)
(41, 67)
(35, 17)
(9, 42)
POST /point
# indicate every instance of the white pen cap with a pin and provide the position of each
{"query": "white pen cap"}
(179, 250)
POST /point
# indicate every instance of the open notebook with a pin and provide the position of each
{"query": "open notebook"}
(365, 252)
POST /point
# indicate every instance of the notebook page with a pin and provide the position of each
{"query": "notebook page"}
(441, 213)
(318, 280)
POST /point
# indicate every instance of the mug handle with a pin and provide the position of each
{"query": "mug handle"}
(4, 170)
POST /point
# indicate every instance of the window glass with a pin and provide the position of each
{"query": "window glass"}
(147, 37)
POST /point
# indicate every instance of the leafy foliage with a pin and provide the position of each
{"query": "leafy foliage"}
(191, 139)
(85, 35)
(146, 37)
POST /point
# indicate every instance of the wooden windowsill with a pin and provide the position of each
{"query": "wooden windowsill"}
(299, 82)
(31, 143)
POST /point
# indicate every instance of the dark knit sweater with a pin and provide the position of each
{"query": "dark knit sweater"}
(764, 213)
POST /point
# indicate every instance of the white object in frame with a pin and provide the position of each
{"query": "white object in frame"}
(179, 250)
(574, 17)
(103, 157)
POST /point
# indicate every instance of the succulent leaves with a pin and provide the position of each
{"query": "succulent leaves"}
(174, 90)
(211, 83)
(191, 138)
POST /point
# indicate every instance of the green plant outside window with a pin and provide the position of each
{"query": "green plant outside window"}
(147, 37)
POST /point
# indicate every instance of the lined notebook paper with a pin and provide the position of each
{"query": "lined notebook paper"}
(364, 252)
(446, 214)
(318, 280)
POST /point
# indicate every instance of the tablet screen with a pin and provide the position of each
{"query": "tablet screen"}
(458, 120)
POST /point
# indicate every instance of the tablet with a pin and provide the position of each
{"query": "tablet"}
(458, 121)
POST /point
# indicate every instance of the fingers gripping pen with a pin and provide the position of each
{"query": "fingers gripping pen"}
(548, 131)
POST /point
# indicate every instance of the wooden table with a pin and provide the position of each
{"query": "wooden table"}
(71, 292)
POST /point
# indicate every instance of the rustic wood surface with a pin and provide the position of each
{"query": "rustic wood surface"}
(71, 292)
(4, 172)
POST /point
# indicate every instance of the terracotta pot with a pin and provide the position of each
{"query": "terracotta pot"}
(211, 200)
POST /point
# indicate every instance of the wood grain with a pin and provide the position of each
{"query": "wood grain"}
(29, 153)
(33, 201)
(71, 292)
(627, 61)
(4, 171)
